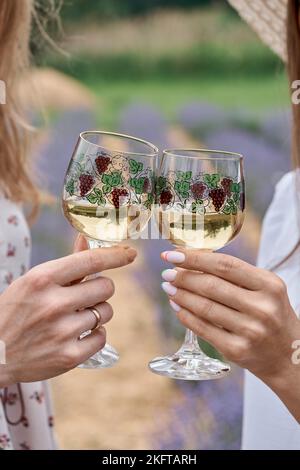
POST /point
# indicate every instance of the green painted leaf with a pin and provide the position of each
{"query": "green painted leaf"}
(70, 187)
(161, 183)
(135, 167)
(197, 206)
(185, 186)
(177, 186)
(116, 178)
(92, 198)
(188, 176)
(236, 197)
(106, 179)
(226, 209)
(182, 188)
(137, 184)
(235, 187)
(230, 207)
(211, 180)
(148, 203)
(98, 192)
(106, 189)
(96, 197)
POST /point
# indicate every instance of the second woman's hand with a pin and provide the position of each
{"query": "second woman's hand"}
(44, 312)
(242, 310)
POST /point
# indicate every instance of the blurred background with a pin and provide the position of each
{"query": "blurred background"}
(177, 73)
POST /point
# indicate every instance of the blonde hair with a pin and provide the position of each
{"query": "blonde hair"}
(16, 182)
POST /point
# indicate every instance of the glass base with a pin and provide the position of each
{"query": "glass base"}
(105, 358)
(188, 365)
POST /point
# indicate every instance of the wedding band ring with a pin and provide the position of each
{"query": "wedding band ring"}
(98, 317)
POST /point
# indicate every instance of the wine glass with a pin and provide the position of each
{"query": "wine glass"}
(200, 205)
(108, 196)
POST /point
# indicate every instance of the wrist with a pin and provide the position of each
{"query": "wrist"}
(5, 376)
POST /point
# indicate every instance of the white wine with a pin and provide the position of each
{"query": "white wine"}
(209, 231)
(106, 222)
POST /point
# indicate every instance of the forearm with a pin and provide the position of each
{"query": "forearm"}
(286, 385)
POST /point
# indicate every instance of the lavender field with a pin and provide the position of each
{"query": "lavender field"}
(177, 77)
(147, 411)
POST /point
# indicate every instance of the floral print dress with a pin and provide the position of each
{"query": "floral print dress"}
(26, 419)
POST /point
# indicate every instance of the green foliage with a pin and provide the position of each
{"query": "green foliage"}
(205, 60)
(78, 10)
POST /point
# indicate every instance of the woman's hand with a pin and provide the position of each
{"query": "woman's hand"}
(44, 312)
(243, 311)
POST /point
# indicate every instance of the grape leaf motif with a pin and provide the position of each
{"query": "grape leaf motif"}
(235, 187)
(197, 206)
(230, 207)
(150, 199)
(137, 184)
(160, 184)
(182, 183)
(70, 187)
(135, 167)
(96, 197)
(111, 180)
(212, 180)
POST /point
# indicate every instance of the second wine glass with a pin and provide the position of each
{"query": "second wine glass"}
(200, 205)
(108, 196)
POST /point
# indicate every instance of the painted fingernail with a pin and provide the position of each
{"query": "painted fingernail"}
(169, 275)
(174, 256)
(168, 288)
(174, 306)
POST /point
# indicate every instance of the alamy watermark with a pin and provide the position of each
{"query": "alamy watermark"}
(296, 354)
(296, 92)
(2, 92)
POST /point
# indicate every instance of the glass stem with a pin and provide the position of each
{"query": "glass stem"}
(97, 243)
(190, 343)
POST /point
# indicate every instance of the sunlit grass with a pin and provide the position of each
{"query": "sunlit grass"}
(248, 93)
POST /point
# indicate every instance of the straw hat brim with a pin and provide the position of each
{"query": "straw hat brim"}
(268, 19)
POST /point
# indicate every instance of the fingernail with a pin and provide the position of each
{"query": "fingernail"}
(169, 275)
(168, 288)
(131, 254)
(174, 306)
(174, 256)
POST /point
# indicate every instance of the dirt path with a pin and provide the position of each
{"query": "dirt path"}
(117, 408)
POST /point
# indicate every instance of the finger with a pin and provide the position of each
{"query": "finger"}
(91, 344)
(87, 293)
(224, 266)
(221, 339)
(86, 320)
(80, 244)
(213, 288)
(210, 311)
(79, 265)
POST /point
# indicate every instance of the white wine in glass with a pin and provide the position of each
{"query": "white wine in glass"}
(200, 204)
(108, 196)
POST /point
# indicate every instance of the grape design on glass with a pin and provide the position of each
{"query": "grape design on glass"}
(108, 179)
(200, 194)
